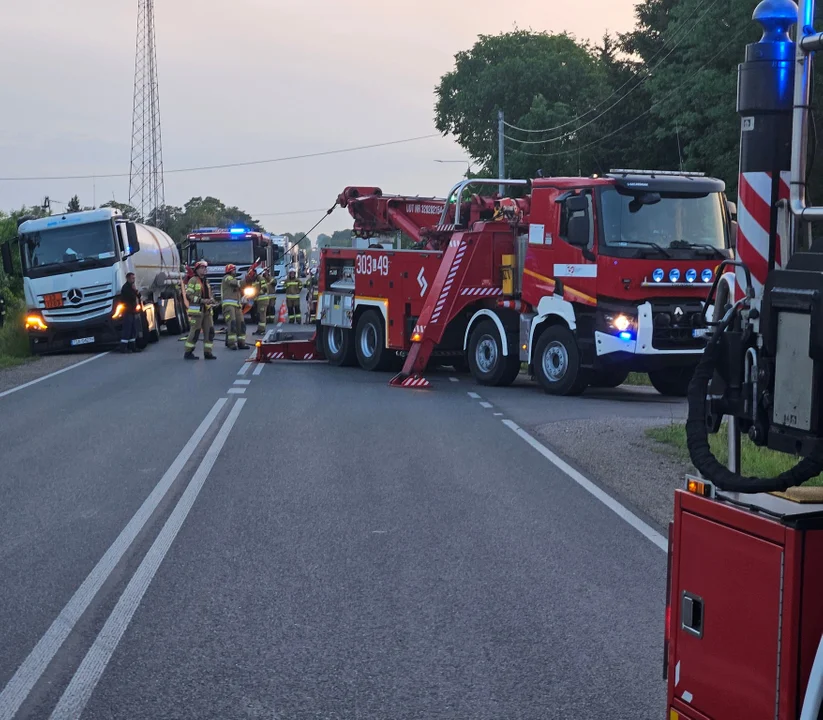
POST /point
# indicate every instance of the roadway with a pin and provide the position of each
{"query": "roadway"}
(224, 540)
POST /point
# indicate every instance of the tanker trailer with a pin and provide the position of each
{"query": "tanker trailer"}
(73, 267)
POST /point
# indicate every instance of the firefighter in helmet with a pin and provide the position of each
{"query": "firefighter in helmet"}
(264, 286)
(201, 302)
(293, 289)
(232, 309)
(312, 294)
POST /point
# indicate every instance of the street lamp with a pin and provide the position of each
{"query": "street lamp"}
(468, 164)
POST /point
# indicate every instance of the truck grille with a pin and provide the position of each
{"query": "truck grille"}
(95, 300)
(674, 323)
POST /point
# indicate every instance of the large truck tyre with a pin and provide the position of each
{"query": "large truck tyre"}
(557, 363)
(175, 325)
(487, 363)
(672, 381)
(338, 346)
(370, 342)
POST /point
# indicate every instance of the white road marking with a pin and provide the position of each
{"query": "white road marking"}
(243, 370)
(253, 355)
(623, 512)
(258, 369)
(498, 414)
(242, 382)
(486, 405)
(33, 667)
(474, 396)
(81, 687)
(51, 375)
(454, 379)
(236, 391)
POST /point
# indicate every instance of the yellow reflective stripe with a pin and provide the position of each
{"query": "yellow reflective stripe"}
(232, 303)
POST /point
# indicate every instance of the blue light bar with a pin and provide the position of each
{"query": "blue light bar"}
(625, 336)
(658, 275)
(238, 231)
(691, 275)
(706, 275)
(674, 275)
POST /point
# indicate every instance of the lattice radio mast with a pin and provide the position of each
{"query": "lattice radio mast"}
(146, 191)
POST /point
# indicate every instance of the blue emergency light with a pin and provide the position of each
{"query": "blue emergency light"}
(238, 231)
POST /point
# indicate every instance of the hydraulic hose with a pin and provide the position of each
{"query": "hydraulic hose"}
(697, 435)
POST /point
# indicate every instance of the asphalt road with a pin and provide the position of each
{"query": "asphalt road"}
(216, 540)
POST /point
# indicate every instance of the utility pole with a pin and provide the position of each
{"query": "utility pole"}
(501, 151)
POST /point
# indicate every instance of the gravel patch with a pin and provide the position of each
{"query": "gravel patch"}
(37, 368)
(616, 453)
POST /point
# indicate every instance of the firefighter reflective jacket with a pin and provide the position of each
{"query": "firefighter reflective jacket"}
(293, 288)
(197, 290)
(230, 291)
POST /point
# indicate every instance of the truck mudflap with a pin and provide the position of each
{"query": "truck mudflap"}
(289, 342)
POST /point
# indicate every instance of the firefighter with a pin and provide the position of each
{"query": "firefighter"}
(198, 293)
(293, 289)
(130, 296)
(232, 309)
(264, 286)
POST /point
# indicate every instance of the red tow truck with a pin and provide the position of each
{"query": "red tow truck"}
(584, 279)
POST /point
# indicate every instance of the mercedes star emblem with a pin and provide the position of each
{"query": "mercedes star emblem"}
(74, 295)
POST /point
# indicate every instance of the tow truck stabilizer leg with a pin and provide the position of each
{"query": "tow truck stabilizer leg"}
(409, 376)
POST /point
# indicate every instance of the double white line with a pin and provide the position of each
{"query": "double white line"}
(79, 690)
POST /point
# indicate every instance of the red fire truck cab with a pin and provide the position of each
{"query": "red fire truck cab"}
(583, 279)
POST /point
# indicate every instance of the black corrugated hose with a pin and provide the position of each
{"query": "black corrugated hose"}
(697, 436)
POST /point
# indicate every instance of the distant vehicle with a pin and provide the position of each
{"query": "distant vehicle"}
(73, 268)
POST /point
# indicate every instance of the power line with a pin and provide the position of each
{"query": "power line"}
(649, 72)
(644, 113)
(288, 212)
(228, 165)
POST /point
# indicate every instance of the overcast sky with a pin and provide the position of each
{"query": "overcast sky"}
(244, 80)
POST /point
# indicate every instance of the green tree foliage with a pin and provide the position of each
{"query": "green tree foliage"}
(74, 205)
(128, 211)
(339, 238)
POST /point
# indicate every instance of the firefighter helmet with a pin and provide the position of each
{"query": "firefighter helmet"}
(231, 269)
(200, 264)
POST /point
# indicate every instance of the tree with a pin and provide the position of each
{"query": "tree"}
(74, 205)
(129, 212)
(539, 81)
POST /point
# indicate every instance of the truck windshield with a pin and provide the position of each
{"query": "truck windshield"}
(674, 222)
(222, 252)
(67, 249)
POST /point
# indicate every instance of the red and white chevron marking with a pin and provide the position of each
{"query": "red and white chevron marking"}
(753, 222)
(415, 382)
(276, 355)
(419, 329)
(447, 286)
(481, 292)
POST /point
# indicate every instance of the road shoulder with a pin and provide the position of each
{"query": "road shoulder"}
(37, 368)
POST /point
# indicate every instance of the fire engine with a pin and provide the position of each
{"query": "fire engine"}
(240, 246)
(583, 279)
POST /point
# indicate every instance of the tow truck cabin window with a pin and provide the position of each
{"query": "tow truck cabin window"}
(68, 248)
(222, 252)
(565, 215)
(679, 220)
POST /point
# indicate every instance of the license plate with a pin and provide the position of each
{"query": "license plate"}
(53, 300)
(700, 333)
(83, 341)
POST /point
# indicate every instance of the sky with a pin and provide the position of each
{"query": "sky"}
(244, 80)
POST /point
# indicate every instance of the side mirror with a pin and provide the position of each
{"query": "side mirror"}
(8, 265)
(577, 233)
(577, 203)
(131, 234)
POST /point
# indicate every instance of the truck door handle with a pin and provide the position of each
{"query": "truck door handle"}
(691, 614)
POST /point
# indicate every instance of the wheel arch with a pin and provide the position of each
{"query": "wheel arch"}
(475, 318)
(361, 305)
(551, 311)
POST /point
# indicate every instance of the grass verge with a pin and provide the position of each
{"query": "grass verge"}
(14, 344)
(637, 379)
(755, 461)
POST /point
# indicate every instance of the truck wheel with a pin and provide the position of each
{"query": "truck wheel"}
(610, 378)
(487, 363)
(370, 342)
(143, 334)
(672, 381)
(557, 363)
(338, 346)
(175, 326)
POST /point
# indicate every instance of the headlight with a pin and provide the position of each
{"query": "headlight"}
(249, 292)
(691, 275)
(658, 275)
(706, 276)
(119, 311)
(621, 323)
(674, 275)
(35, 322)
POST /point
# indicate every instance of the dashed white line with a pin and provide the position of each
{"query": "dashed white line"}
(498, 414)
(451, 379)
(51, 375)
(82, 685)
(33, 667)
(473, 396)
(258, 369)
(244, 369)
(486, 405)
(621, 511)
(242, 382)
(237, 391)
